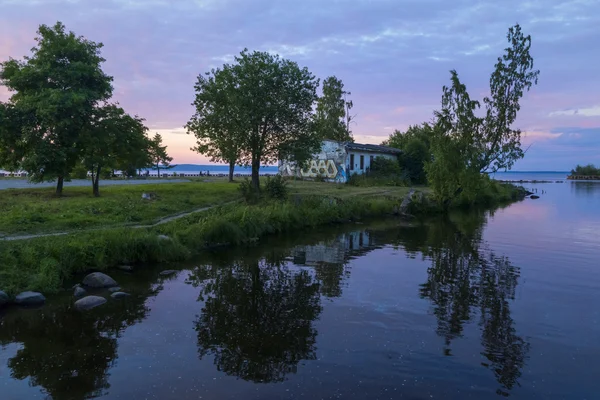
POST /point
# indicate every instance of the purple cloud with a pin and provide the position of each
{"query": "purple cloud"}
(391, 55)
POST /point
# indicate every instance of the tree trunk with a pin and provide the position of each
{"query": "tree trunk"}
(231, 168)
(96, 181)
(158, 170)
(59, 185)
(255, 176)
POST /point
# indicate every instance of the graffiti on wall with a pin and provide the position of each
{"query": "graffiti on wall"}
(329, 163)
(326, 169)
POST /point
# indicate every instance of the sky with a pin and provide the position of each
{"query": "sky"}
(394, 56)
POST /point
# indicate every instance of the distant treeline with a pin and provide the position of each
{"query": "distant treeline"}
(586, 170)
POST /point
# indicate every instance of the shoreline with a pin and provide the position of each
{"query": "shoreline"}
(44, 264)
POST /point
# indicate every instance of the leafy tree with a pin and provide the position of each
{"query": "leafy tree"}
(268, 103)
(471, 145)
(332, 120)
(218, 130)
(586, 170)
(114, 137)
(57, 89)
(415, 144)
(158, 154)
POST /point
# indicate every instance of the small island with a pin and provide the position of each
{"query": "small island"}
(588, 172)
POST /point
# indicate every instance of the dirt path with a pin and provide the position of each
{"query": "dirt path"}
(161, 221)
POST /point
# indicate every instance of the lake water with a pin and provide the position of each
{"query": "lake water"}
(470, 306)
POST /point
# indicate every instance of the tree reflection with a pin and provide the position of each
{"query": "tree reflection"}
(467, 279)
(66, 352)
(257, 319)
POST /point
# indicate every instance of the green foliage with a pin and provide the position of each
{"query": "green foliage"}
(264, 104)
(465, 146)
(276, 188)
(56, 89)
(586, 170)
(43, 264)
(332, 120)
(114, 139)
(158, 154)
(219, 134)
(248, 191)
(382, 172)
(415, 144)
(384, 167)
(79, 172)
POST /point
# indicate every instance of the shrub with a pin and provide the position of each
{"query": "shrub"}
(384, 167)
(586, 170)
(276, 188)
(249, 193)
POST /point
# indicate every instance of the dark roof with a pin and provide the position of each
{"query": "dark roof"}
(373, 147)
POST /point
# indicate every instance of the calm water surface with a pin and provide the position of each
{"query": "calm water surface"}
(475, 306)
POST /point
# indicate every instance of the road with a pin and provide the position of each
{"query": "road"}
(24, 184)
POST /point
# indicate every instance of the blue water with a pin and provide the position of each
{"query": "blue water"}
(532, 175)
(218, 169)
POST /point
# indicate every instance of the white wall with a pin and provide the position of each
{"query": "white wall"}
(367, 163)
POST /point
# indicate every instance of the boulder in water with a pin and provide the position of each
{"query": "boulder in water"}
(115, 289)
(126, 268)
(30, 299)
(79, 292)
(168, 272)
(89, 302)
(119, 295)
(4, 299)
(99, 280)
(534, 196)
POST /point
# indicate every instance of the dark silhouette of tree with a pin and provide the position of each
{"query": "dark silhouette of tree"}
(257, 319)
(466, 279)
(66, 352)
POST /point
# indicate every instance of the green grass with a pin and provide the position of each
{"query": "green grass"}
(43, 264)
(345, 191)
(30, 211)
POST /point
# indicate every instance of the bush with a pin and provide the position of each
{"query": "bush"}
(384, 167)
(249, 193)
(586, 170)
(276, 188)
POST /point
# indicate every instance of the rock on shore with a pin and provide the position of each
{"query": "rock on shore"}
(89, 302)
(99, 280)
(30, 299)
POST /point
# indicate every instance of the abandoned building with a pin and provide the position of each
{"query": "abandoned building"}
(338, 160)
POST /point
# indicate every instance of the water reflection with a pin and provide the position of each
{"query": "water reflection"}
(468, 282)
(66, 352)
(257, 319)
(257, 307)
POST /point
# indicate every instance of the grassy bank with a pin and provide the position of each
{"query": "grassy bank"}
(44, 264)
(33, 211)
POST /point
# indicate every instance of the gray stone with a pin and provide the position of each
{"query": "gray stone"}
(79, 292)
(168, 272)
(534, 196)
(115, 289)
(164, 237)
(99, 280)
(4, 299)
(127, 268)
(89, 302)
(30, 299)
(119, 295)
(406, 202)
